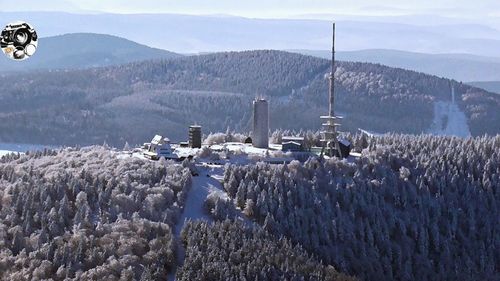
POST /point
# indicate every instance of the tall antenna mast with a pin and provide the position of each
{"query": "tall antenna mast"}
(332, 77)
(330, 142)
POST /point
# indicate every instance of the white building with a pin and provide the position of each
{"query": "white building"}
(159, 147)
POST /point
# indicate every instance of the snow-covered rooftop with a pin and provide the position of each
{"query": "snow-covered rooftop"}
(291, 138)
(345, 142)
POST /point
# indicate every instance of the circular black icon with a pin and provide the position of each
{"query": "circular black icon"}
(19, 40)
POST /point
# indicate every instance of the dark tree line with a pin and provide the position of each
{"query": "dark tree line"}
(228, 250)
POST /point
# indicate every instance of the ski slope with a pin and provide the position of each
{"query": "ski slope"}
(449, 120)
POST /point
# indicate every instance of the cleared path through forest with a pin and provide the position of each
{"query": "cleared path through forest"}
(203, 185)
(449, 120)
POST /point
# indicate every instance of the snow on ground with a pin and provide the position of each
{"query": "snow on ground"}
(185, 151)
(370, 133)
(5, 152)
(23, 147)
(243, 147)
(128, 154)
(355, 154)
(6, 148)
(202, 186)
(208, 181)
(449, 120)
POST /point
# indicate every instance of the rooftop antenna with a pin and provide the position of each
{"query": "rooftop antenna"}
(330, 141)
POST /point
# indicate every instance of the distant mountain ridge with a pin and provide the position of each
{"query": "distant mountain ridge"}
(461, 67)
(209, 33)
(492, 86)
(85, 50)
(133, 102)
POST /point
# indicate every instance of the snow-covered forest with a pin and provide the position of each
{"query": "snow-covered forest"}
(411, 208)
(230, 250)
(84, 214)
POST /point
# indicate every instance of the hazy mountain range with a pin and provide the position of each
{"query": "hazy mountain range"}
(460, 50)
(492, 86)
(83, 50)
(192, 34)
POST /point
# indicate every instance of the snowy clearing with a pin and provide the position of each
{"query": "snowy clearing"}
(207, 182)
(449, 120)
(202, 186)
(5, 152)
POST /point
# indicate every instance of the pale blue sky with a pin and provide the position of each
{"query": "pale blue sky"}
(269, 8)
(443, 26)
(484, 12)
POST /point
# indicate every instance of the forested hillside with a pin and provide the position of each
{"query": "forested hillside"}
(133, 102)
(229, 250)
(84, 50)
(411, 208)
(461, 67)
(95, 214)
(84, 214)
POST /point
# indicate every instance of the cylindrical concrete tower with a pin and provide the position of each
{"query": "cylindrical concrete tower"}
(260, 137)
